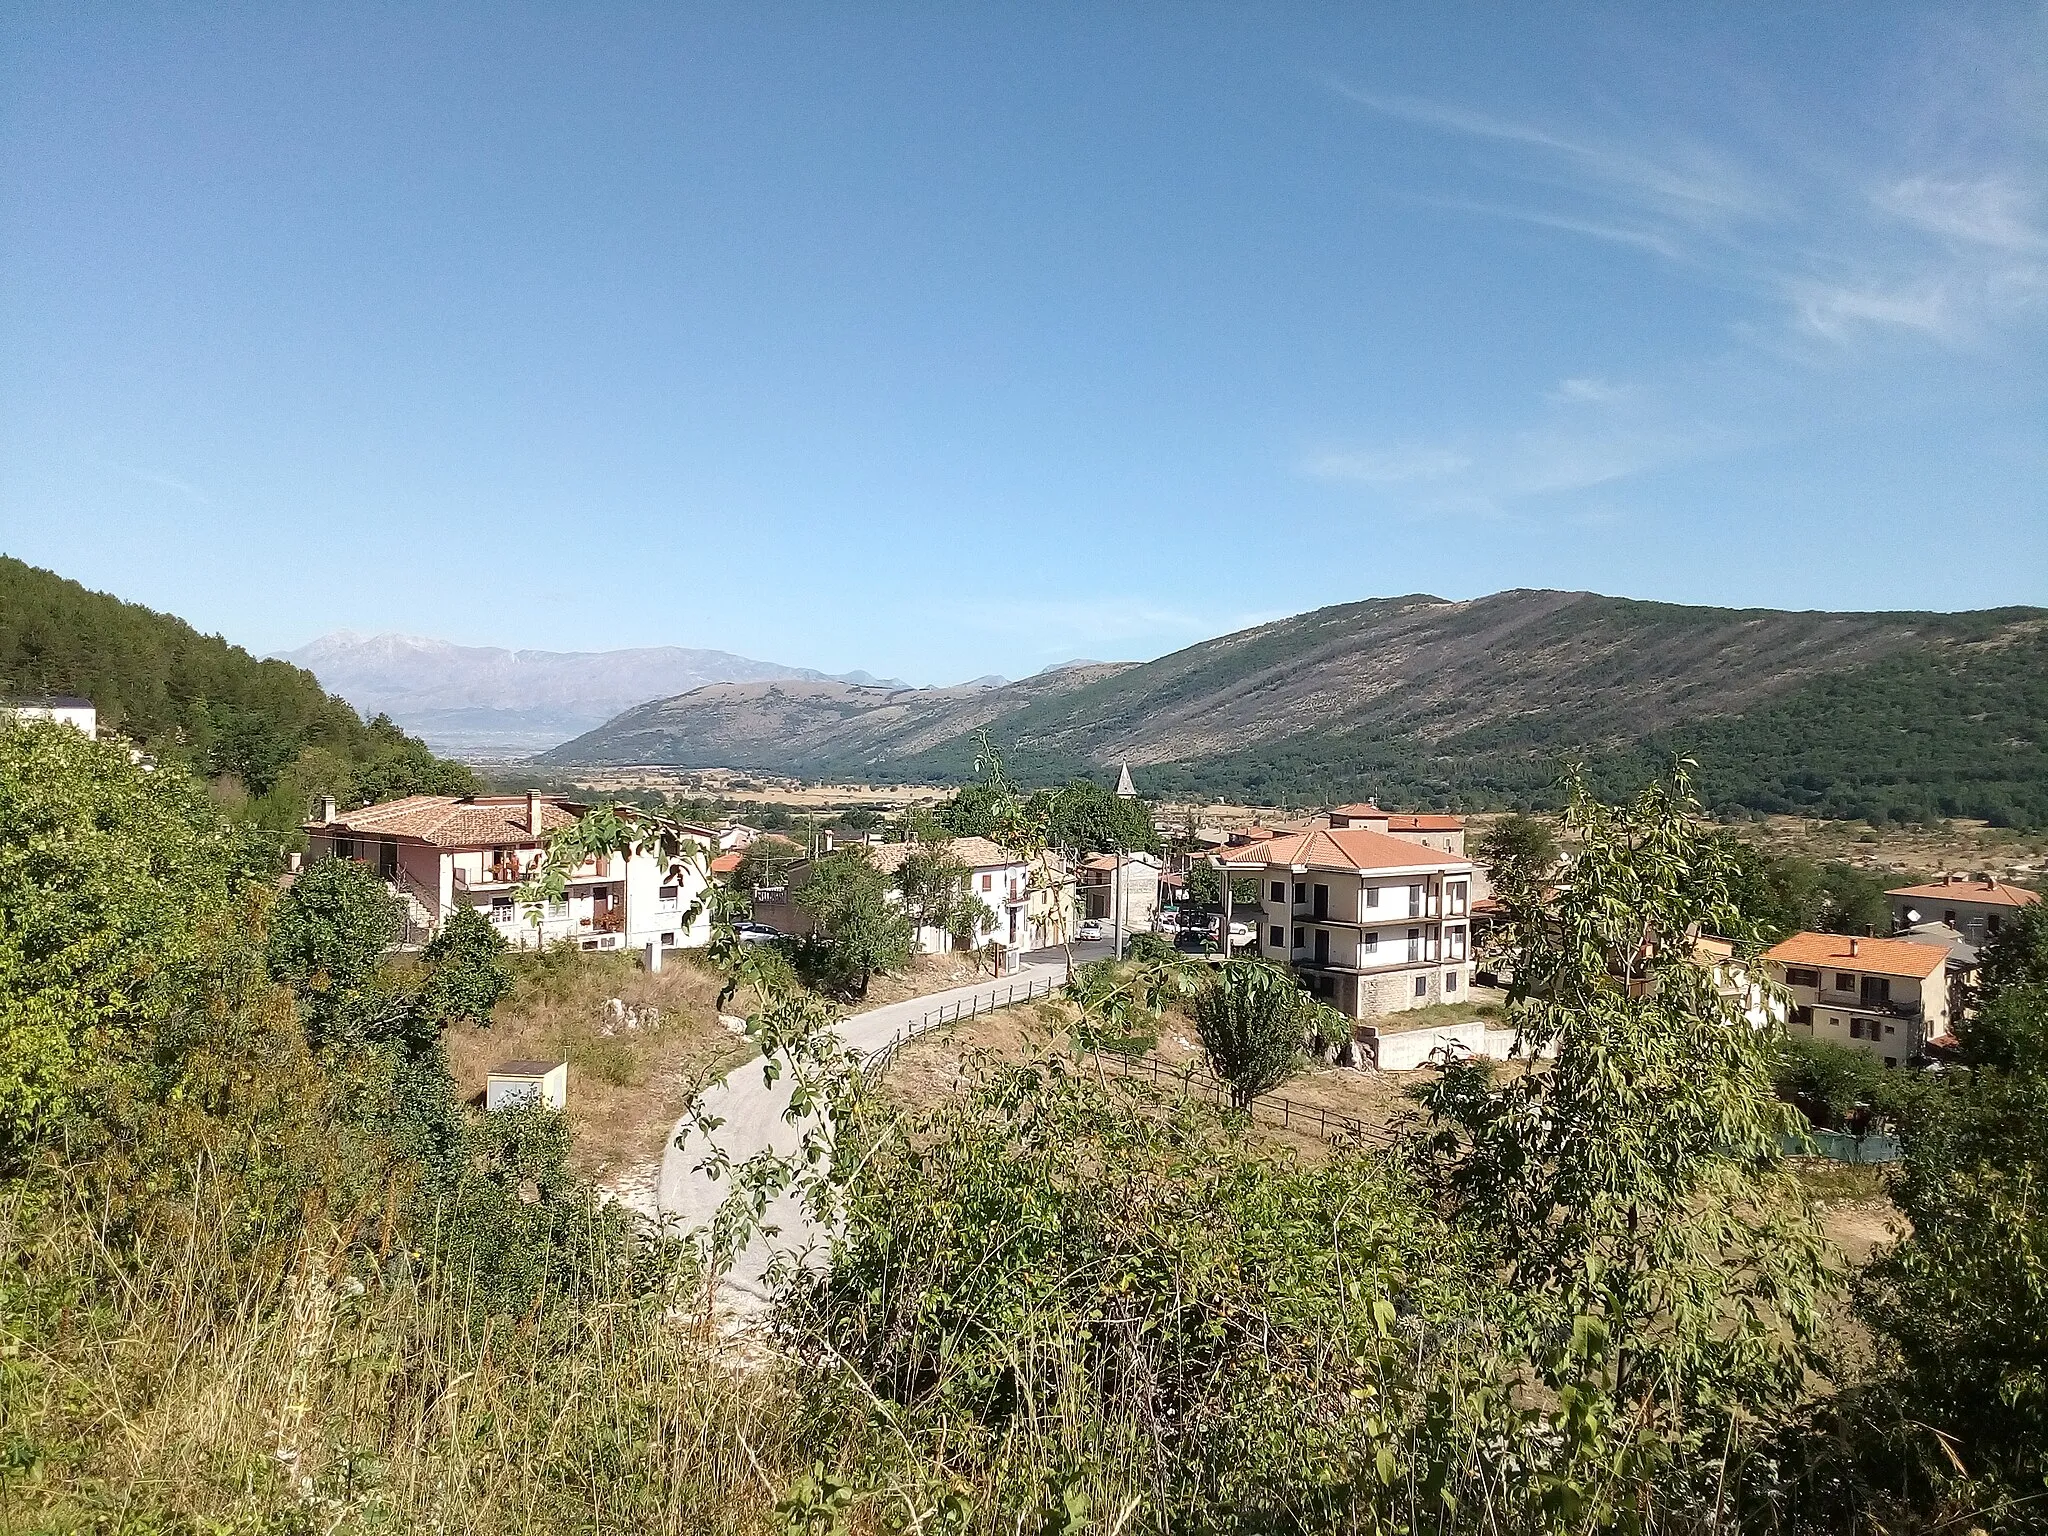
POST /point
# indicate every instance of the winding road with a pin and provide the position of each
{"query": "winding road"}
(753, 1112)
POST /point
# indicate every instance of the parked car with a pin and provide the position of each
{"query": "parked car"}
(756, 933)
(1091, 928)
(1166, 920)
(1242, 934)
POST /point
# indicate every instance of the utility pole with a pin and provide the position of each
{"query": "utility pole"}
(1116, 896)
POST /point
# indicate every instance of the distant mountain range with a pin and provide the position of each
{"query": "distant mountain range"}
(1422, 701)
(486, 702)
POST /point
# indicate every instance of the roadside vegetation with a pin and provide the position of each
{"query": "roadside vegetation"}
(261, 1268)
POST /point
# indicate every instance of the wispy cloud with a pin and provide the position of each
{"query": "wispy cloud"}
(1585, 433)
(1934, 252)
(165, 482)
(1587, 391)
(1393, 466)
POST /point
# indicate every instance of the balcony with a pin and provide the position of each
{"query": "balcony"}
(610, 921)
(500, 873)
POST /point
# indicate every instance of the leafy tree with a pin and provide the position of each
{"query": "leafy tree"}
(1962, 1303)
(1784, 893)
(466, 972)
(329, 935)
(936, 893)
(1664, 1268)
(122, 894)
(1520, 854)
(1253, 1020)
(766, 861)
(1828, 1082)
(972, 812)
(848, 898)
(1084, 817)
(1205, 888)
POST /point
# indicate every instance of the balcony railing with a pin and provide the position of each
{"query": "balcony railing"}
(497, 874)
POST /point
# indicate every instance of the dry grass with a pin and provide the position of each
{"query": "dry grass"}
(629, 1078)
(944, 1061)
(924, 975)
(329, 1398)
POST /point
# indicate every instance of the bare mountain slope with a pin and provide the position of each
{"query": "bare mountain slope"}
(1471, 702)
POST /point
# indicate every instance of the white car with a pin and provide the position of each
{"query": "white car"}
(1091, 928)
(756, 933)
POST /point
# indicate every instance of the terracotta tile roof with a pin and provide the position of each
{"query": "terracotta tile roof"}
(974, 852)
(1984, 892)
(1425, 823)
(1879, 957)
(1340, 848)
(726, 863)
(1363, 808)
(479, 821)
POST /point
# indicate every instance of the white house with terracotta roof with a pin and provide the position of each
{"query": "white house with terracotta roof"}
(1889, 997)
(440, 852)
(1976, 906)
(1024, 912)
(1377, 923)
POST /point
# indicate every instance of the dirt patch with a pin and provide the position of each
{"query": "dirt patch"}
(631, 1068)
(924, 975)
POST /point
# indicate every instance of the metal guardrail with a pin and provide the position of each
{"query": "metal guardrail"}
(965, 1008)
(1289, 1114)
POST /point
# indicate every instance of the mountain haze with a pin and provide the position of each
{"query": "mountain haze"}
(1425, 701)
(488, 701)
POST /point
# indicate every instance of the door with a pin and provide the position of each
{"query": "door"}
(1322, 944)
(1322, 901)
(1875, 992)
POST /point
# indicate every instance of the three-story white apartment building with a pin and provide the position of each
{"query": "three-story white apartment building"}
(1376, 923)
(440, 852)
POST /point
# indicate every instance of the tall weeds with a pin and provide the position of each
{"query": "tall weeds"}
(325, 1391)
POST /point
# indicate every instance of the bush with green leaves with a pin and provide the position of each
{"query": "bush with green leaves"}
(849, 899)
(1960, 1306)
(1632, 1192)
(123, 898)
(1254, 1020)
(466, 970)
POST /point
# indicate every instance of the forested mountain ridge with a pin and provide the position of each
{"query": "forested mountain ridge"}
(1419, 700)
(266, 730)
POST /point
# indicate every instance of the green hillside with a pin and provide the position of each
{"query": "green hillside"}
(1475, 705)
(265, 732)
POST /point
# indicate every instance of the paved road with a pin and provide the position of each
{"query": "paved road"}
(753, 1114)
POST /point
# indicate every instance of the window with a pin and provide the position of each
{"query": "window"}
(501, 908)
(1372, 895)
(1279, 895)
(668, 940)
(1300, 937)
(1450, 981)
(1276, 937)
(671, 894)
(988, 882)
(1855, 1029)
(1797, 977)
(1802, 1014)
(1891, 1061)
(345, 848)
(1300, 891)
(1888, 1029)
(1370, 944)
(1992, 923)
(1844, 982)
(1422, 986)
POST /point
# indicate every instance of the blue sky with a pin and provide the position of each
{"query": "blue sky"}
(941, 340)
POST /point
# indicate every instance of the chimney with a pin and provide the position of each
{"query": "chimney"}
(533, 811)
(326, 809)
(1853, 943)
